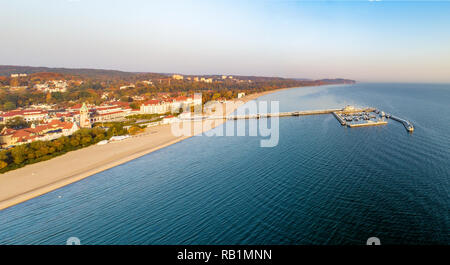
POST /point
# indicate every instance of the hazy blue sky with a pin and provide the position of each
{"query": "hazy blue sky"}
(363, 40)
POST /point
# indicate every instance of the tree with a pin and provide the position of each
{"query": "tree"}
(19, 154)
(126, 99)
(9, 105)
(74, 142)
(3, 155)
(48, 98)
(97, 131)
(134, 105)
(116, 129)
(216, 96)
(86, 140)
(14, 82)
(99, 137)
(17, 123)
(58, 144)
(31, 156)
(135, 130)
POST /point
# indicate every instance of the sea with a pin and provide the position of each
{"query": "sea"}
(321, 184)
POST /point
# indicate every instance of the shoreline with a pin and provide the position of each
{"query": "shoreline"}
(23, 184)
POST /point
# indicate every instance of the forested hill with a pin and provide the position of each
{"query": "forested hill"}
(7, 70)
(103, 74)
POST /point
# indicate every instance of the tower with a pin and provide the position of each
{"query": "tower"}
(84, 117)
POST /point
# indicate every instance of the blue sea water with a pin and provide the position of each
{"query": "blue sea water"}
(322, 184)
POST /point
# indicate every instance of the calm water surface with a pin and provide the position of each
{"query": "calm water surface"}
(322, 184)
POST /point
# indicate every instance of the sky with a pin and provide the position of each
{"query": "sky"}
(374, 41)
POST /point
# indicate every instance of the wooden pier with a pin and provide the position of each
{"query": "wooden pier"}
(279, 114)
(339, 118)
(336, 113)
(368, 123)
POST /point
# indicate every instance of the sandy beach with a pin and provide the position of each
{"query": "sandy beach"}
(36, 179)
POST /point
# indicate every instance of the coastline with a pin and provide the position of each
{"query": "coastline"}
(33, 180)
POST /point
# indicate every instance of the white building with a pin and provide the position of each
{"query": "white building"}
(127, 86)
(206, 80)
(170, 105)
(170, 119)
(19, 75)
(67, 130)
(109, 113)
(30, 115)
(155, 107)
(105, 95)
(52, 86)
(138, 98)
(41, 86)
(177, 77)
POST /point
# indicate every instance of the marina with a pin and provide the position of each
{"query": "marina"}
(353, 117)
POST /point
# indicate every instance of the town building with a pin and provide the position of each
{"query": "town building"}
(147, 82)
(177, 77)
(18, 88)
(108, 113)
(66, 116)
(42, 132)
(138, 98)
(29, 115)
(155, 106)
(127, 86)
(170, 104)
(169, 119)
(18, 75)
(52, 86)
(84, 117)
(206, 80)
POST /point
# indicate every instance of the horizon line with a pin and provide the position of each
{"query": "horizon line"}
(217, 74)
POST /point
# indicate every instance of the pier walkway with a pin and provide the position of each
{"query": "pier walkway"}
(408, 126)
(337, 113)
(280, 114)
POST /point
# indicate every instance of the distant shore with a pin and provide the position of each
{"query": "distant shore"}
(36, 179)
